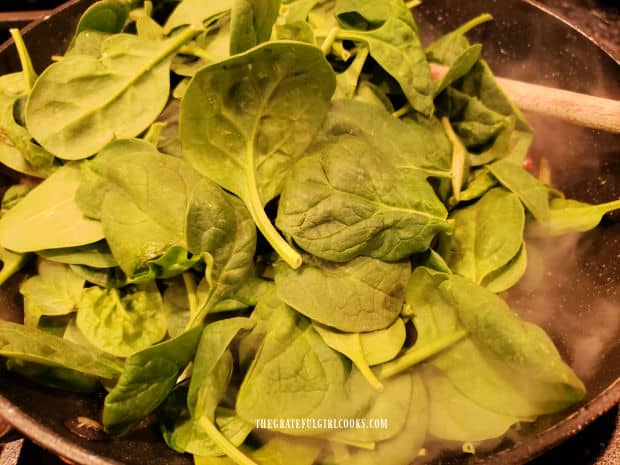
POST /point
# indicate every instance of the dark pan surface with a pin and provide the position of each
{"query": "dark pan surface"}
(576, 297)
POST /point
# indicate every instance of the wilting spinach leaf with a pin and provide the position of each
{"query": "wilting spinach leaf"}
(122, 323)
(33, 345)
(364, 294)
(246, 147)
(149, 376)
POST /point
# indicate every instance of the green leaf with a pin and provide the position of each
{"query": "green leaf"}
(566, 216)
(400, 449)
(479, 246)
(508, 275)
(237, 126)
(104, 16)
(87, 43)
(11, 263)
(17, 150)
(33, 345)
(296, 375)
(454, 417)
(479, 185)
(349, 345)
(56, 290)
(54, 377)
(251, 23)
(129, 68)
(124, 323)
(364, 294)
(96, 255)
(370, 14)
(397, 49)
(380, 211)
(196, 12)
(448, 48)
(149, 376)
(383, 345)
(49, 207)
(532, 192)
(459, 68)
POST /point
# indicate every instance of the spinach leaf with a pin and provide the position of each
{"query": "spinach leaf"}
(480, 182)
(11, 263)
(54, 377)
(104, 16)
(49, 207)
(448, 48)
(249, 293)
(479, 245)
(17, 150)
(349, 345)
(129, 67)
(55, 290)
(297, 11)
(13, 195)
(567, 216)
(364, 294)
(109, 278)
(396, 47)
(461, 66)
(508, 275)
(251, 23)
(96, 255)
(401, 448)
(87, 43)
(296, 375)
(454, 417)
(124, 323)
(415, 144)
(33, 345)
(249, 148)
(149, 376)
(519, 370)
(383, 345)
(343, 200)
(369, 14)
(532, 192)
(347, 81)
(196, 12)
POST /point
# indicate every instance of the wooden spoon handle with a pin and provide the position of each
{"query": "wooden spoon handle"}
(581, 109)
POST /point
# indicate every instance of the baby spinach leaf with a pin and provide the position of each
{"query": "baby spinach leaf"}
(369, 14)
(295, 11)
(87, 43)
(296, 375)
(383, 345)
(448, 48)
(129, 67)
(33, 345)
(54, 377)
(196, 12)
(532, 192)
(397, 49)
(56, 290)
(149, 376)
(459, 68)
(104, 16)
(13, 195)
(480, 183)
(124, 323)
(349, 345)
(567, 216)
(347, 81)
(11, 263)
(479, 245)
(96, 255)
(364, 294)
(251, 23)
(17, 150)
(454, 417)
(249, 293)
(412, 144)
(519, 370)
(248, 148)
(227, 242)
(49, 207)
(508, 275)
(401, 448)
(109, 278)
(392, 405)
(380, 211)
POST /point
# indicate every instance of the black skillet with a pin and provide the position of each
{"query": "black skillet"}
(576, 298)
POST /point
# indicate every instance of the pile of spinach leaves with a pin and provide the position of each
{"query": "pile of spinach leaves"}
(244, 209)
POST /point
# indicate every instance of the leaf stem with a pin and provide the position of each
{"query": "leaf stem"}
(329, 40)
(148, 8)
(459, 155)
(414, 355)
(402, 111)
(413, 3)
(190, 288)
(229, 448)
(24, 57)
